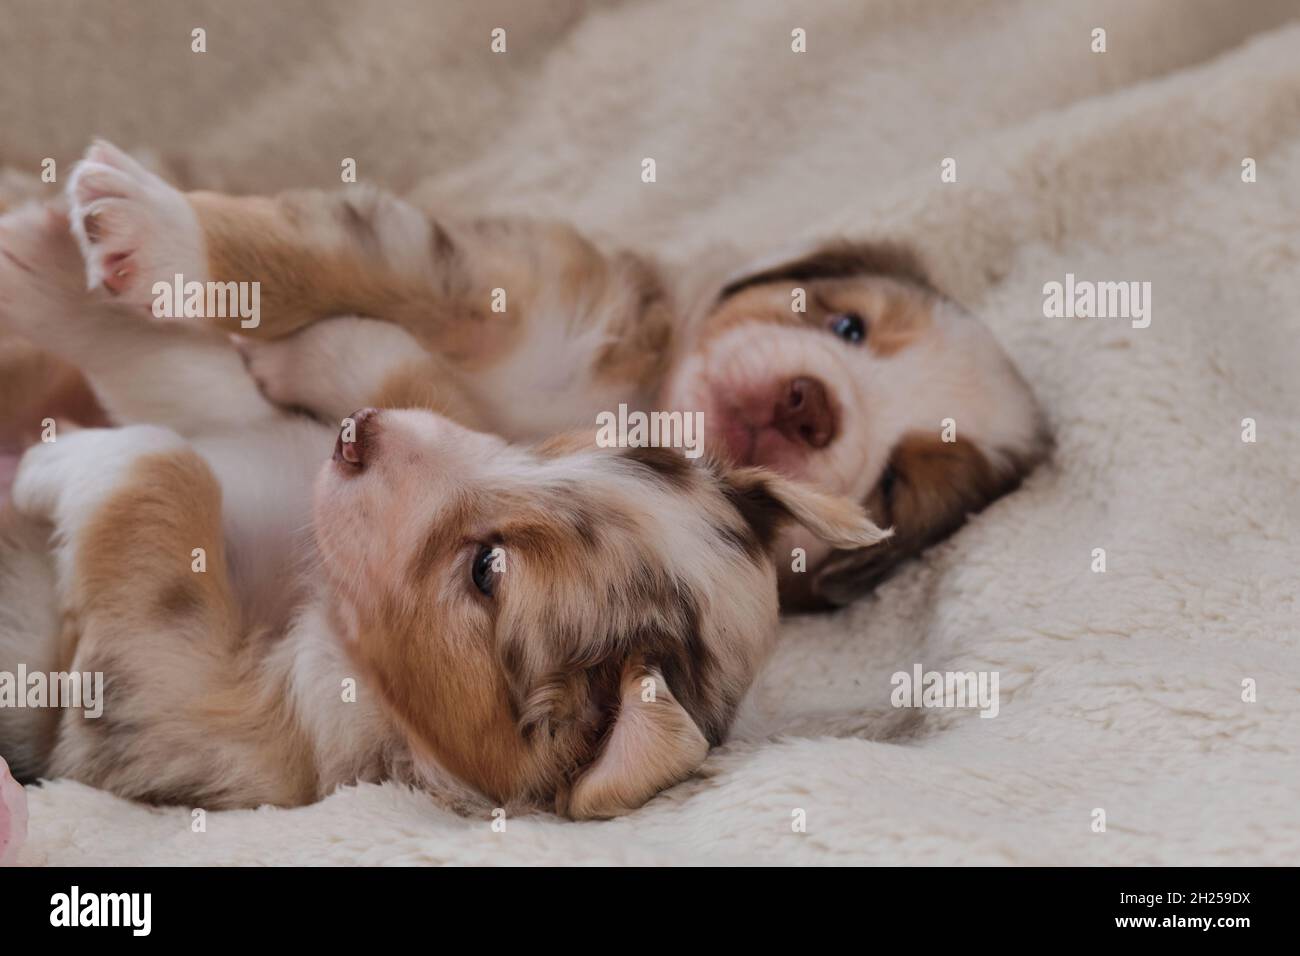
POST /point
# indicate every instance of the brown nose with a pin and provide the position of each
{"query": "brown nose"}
(353, 445)
(804, 412)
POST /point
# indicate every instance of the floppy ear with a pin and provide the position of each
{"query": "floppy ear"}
(833, 260)
(653, 744)
(926, 493)
(767, 501)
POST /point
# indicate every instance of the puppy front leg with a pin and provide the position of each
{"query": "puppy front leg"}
(334, 367)
(187, 378)
(285, 261)
(142, 577)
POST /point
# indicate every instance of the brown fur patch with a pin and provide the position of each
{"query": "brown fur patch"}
(668, 465)
(316, 255)
(180, 697)
(565, 443)
(895, 313)
(927, 492)
(763, 515)
(642, 333)
(452, 701)
(146, 533)
(181, 597)
(844, 259)
(424, 383)
(35, 385)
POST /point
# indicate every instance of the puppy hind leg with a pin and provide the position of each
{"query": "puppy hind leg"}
(314, 255)
(188, 378)
(183, 716)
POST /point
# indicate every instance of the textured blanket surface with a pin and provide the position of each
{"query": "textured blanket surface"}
(1164, 691)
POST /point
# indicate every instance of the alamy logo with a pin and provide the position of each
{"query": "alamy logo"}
(56, 689)
(1085, 299)
(103, 909)
(947, 689)
(179, 299)
(639, 429)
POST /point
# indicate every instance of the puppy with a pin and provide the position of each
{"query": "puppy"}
(560, 626)
(840, 364)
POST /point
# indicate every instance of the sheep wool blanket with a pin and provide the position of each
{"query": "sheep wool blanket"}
(1122, 207)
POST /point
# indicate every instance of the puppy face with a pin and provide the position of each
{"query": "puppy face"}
(565, 624)
(852, 394)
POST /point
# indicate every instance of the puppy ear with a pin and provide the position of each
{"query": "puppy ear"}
(652, 745)
(833, 260)
(767, 501)
(926, 493)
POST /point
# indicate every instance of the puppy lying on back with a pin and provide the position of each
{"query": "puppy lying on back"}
(562, 626)
(840, 365)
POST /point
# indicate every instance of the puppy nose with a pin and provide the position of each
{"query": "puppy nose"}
(353, 445)
(804, 413)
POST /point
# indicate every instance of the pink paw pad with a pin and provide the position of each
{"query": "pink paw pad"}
(116, 271)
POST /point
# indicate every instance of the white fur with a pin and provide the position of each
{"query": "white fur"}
(196, 379)
(534, 391)
(402, 232)
(140, 217)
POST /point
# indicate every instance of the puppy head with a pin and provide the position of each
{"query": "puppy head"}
(565, 625)
(853, 394)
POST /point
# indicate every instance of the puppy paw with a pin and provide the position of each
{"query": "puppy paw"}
(64, 480)
(402, 233)
(133, 228)
(277, 368)
(331, 367)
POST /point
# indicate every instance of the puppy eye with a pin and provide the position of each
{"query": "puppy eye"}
(849, 326)
(488, 564)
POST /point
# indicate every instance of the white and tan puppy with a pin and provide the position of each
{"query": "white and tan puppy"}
(559, 626)
(841, 364)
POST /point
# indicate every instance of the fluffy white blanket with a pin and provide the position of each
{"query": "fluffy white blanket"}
(1120, 691)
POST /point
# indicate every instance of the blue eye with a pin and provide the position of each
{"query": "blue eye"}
(849, 326)
(483, 571)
